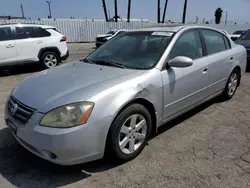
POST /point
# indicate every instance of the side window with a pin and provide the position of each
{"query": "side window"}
(43, 32)
(26, 32)
(228, 46)
(189, 45)
(5, 33)
(214, 41)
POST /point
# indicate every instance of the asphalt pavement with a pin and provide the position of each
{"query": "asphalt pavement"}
(208, 147)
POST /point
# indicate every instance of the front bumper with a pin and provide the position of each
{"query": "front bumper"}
(65, 56)
(68, 146)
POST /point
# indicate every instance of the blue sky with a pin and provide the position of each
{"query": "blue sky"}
(238, 10)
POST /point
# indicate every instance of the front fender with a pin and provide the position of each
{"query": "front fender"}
(111, 101)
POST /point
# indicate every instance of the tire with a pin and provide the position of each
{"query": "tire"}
(137, 136)
(232, 85)
(49, 59)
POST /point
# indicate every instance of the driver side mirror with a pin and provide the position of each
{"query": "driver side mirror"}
(180, 62)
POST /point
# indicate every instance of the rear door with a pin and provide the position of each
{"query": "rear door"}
(28, 43)
(8, 53)
(220, 58)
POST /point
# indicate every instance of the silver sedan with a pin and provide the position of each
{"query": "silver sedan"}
(113, 100)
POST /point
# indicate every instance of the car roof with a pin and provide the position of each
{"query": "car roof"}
(31, 25)
(171, 28)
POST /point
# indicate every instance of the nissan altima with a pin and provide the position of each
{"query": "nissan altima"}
(114, 99)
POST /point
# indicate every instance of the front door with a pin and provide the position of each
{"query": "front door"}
(8, 54)
(184, 87)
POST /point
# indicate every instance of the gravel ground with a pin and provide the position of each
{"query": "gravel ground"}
(207, 147)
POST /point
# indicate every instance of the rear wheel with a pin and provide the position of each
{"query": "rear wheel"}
(232, 85)
(129, 133)
(49, 59)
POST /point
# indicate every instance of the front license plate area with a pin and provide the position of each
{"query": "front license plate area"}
(13, 127)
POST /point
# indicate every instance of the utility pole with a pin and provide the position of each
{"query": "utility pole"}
(158, 11)
(22, 10)
(164, 12)
(105, 10)
(116, 15)
(226, 19)
(184, 12)
(49, 2)
(109, 14)
(129, 8)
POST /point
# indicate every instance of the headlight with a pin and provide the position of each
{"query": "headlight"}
(68, 116)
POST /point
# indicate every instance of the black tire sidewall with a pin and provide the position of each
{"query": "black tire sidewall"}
(113, 136)
(44, 56)
(225, 93)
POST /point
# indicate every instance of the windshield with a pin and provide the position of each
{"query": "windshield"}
(111, 32)
(238, 32)
(245, 36)
(135, 50)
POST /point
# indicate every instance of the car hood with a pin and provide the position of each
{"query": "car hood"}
(104, 35)
(67, 84)
(245, 43)
(235, 35)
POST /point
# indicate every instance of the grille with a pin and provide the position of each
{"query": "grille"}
(100, 39)
(20, 112)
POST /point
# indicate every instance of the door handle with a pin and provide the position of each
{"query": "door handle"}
(231, 58)
(40, 42)
(204, 71)
(10, 46)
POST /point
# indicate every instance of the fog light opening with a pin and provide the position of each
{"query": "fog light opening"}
(48, 154)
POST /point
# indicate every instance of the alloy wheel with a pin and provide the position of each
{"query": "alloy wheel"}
(132, 134)
(232, 84)
(50, 60)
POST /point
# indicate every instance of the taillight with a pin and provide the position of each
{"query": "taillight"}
(63, 39)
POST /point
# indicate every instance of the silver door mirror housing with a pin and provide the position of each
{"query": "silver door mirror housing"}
(180, 62)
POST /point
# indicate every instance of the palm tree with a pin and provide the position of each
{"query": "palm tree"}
(164, 12)
(218, 15)
(116, 15)
(184, 12)
(129, 8)
(158, 11)
(105, 10)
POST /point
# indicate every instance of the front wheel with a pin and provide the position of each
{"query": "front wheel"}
(232, 85)
(129, 133)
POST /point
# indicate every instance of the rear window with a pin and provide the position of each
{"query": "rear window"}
(43, 32)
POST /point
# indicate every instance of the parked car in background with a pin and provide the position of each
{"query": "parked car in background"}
(100, 39)
(237, 34)
(244, 40)
(30, 43)
(225, 32)
(112, 101)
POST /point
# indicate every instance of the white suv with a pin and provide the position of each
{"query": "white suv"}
(24, 43)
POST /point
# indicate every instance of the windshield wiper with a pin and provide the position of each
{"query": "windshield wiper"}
(111, 63)
(87, 61)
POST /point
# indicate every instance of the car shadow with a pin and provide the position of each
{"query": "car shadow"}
(23, 169)
(20, 69)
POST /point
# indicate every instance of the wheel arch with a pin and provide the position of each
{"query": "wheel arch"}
(147, 104)
(49, 49)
